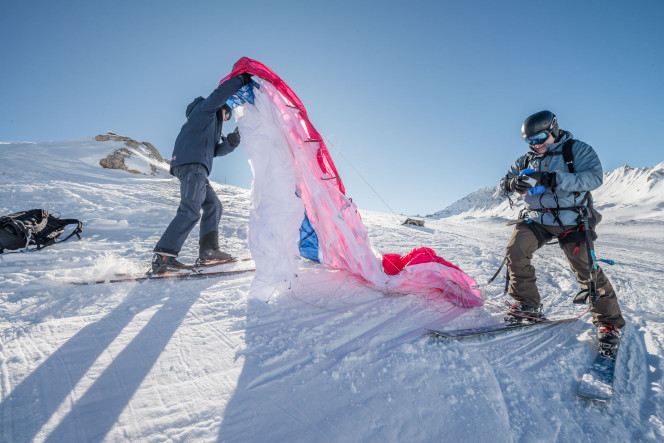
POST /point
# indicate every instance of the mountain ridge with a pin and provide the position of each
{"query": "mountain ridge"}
(640, 188)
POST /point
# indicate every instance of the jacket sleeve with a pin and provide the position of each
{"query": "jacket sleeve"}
(512, 172)
(588, 173)
(223, 92)
(223, 148)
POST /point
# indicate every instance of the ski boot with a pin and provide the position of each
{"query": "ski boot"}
(213, 257)
(209, 252)
(163, 262)
(609, 339)
(520, 312)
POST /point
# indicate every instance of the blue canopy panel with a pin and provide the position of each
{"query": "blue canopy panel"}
(244, 94)
(308, 240)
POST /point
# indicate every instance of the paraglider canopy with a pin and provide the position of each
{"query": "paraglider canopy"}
(300, 208)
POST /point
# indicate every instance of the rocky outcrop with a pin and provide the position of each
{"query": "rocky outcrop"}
(122, 157)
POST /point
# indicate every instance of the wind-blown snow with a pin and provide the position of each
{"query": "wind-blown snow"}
(331, 361)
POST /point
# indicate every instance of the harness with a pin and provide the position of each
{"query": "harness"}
(583, 232)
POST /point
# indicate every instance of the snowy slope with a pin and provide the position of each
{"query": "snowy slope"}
(331, 361)
(626, 194)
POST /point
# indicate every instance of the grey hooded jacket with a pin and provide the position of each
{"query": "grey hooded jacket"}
(570, 187)
(200, 139)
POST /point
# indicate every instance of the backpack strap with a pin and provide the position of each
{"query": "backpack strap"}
(568, 155)
(568, 158)
(77, 230)
(58, 225)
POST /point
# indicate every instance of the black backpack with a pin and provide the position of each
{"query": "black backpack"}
(34, 227)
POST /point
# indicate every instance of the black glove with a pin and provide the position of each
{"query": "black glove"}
(234, 138)
(509, 184)
(546, 179)
(520, 184)
(246, 78)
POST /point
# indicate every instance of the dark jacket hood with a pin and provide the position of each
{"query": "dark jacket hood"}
(192, 105)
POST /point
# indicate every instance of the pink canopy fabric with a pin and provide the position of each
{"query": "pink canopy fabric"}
(279, 121)
(260, 70)
(394, 263)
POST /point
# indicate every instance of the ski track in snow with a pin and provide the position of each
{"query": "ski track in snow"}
(332, 360)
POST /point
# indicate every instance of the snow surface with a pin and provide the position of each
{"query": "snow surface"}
(333, 360)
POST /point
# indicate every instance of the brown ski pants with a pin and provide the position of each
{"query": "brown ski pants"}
(522, 287)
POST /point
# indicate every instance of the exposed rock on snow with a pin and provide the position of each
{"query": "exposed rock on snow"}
(413, 221)
(124, 157)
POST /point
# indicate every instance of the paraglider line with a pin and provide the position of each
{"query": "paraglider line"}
(364, 179)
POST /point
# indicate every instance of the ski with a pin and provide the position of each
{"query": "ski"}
(217, 262)
(597, 383)
(190, 272)
(492, 329)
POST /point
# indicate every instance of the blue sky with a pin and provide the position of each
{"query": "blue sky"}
(425, 99)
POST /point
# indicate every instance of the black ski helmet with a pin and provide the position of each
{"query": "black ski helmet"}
(540, 122)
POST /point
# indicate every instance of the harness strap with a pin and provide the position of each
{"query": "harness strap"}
(567, 208)
(543, 236)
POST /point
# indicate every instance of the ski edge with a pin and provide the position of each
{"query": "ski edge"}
(144, 277)
(475, 332)
(220, 262)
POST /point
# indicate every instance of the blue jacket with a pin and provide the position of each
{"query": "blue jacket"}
(570, 187)
(200, 139)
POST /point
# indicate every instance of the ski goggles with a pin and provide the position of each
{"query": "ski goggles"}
(227, 112)
(537, 139)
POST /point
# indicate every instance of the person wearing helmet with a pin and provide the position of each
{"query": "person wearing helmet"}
(199, 141)
(556, 195)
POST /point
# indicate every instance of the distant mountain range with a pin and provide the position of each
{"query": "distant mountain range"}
(627, 193)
